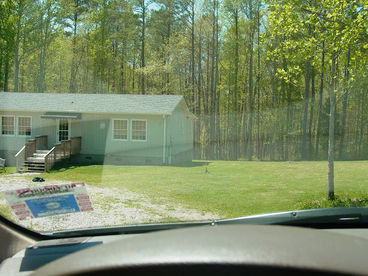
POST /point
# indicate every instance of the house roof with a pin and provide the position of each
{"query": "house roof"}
(91, 103)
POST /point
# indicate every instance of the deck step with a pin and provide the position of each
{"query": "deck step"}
(35, 167)
(30, 166)
(42, 151)
(39, 155)
(36, 159)
(34, 162)
(34, 170)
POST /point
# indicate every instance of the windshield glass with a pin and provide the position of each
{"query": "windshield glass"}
(121, 112)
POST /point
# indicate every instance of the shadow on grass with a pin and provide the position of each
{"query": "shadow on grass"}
(70, 165)
(339, 201)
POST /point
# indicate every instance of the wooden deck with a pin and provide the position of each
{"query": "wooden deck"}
(35, 157)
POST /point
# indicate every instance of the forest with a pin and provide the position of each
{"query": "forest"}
(266, 79)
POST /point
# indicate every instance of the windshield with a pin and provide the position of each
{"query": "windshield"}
(122, 112)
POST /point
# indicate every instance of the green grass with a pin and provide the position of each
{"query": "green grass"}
(7, 170)
(233, 188)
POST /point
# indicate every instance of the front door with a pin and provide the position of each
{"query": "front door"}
(63, 130)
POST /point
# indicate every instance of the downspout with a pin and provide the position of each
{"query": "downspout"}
(164, 142)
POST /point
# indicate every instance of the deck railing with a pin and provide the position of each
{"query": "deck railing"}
(50, 159)
(63, 150)
(20, 157)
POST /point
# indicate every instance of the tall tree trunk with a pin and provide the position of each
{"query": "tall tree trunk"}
(6, 69)
(356, 127)
(234, 121)
(310, 134)
(362, 124)
(45, 25)
(258, 90)
(319, 121)
(192, 53)
(42, 61)
(102, 63)
(305, 113)
(288, 122)
(1, 69)
(199, 96)
(206, 100)
(213, 85)
(21, 87)
(282, 123)
(331, 132)
(74, 66)
(133, 77)
(217, 93)
(250, 118)
(344, 107)
(16, 47)
(143, 64)
(122, 70)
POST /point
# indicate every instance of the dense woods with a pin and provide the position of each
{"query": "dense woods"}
(267, 80)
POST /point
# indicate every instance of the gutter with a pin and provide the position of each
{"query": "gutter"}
(164, 141)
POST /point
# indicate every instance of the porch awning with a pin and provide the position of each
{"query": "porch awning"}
(62, 115)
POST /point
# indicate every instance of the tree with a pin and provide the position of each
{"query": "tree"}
(73, 13)
(336, 24)
(141, 8)
(7, 35)
(47, 13)
(233, 9)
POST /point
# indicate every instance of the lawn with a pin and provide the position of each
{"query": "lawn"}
(231, 188)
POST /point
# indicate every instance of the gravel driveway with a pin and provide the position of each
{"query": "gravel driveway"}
(112, 206)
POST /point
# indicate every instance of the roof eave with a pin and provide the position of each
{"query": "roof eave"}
(122, 113)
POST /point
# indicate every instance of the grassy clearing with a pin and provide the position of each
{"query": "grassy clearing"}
(232, 188)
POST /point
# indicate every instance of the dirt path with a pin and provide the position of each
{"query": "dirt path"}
(112, 206)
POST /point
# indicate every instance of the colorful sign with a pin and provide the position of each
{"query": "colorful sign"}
(49, 200)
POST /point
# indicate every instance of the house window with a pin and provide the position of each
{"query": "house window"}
(24, 126)
(120, 129)
(139, 130)
(7, 125)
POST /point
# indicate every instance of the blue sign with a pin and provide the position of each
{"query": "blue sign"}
(51, 206)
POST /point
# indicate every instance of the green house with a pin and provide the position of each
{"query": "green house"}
(95, 128)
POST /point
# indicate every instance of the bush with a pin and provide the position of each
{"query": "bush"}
(339, 201)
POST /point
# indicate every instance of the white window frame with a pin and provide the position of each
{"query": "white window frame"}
(1, 125)
(113, 129)
(131, 130)
(17, 126)
(69, 130)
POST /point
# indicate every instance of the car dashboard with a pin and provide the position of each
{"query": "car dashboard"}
(235, 249)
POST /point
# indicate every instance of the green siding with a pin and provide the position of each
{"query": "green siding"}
(97, 136)
(39, 127)
(180, 136)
